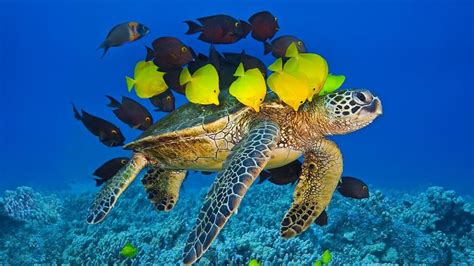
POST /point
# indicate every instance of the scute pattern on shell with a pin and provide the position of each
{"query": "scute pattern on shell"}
(190, 115)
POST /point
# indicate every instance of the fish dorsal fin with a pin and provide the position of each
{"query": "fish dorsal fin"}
(185, 76)
(292, 50)
(204, 20)
(240, 71)
(277, 66)
(333, 82)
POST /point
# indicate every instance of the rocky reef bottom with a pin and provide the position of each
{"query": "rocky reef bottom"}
(433, 227)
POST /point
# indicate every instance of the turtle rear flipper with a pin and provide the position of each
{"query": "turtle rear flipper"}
(107, 197)
(162, 187)
(242, 166)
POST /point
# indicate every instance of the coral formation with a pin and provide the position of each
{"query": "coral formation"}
(433, 227)
(23, 204)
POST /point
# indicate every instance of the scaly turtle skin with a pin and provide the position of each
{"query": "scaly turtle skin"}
(240, 143)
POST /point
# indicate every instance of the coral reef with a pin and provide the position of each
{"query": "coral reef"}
(23, 204)
(433, 227)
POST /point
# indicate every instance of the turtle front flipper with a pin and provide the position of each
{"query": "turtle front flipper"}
(320, 174)
(242, 166)
(107, 197)
(162, 187)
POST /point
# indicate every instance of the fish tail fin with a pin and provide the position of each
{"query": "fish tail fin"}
(77, 115)
(193, 27)
(113, 102)
(106, 48)
(150, 54)
(99, 182)
(185, 76)
(130, 83)
(264, 175)
(267, 48)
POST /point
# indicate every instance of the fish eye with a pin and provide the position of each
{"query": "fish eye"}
(215, 91)
(168, 98)
(237, 24)
(364, 187)
(261, 99)
(114, 132)
(123, 161)
(147, 119)
(184, 49)
(276, 19)
(300, 43)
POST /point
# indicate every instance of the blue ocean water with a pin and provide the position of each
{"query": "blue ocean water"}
(417, 56)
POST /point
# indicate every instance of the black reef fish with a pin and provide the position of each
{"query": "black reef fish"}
(279, 45)
(264, 25)
(287, 174)
(219, 29)
(131, 113)
(248, 61)
(214, 58)
(123, 33)
(109, 134)
(109, 169)
(164, 102)
(322, 219)
(352, 187)
(169, 53)
(172, 80)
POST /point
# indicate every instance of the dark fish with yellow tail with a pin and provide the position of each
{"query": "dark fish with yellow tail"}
(169, 53)
(264, 25)
(123, 33)
(279, 45)
(284, 175)
(352, 187)
(219, 29)
(108, 133)
(165, 102)
(109, 169)
(131, 113)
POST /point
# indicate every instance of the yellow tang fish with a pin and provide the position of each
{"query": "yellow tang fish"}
(148, 81)
(333, 82)
(249, 88)
(313, 66)
(292, 88)
(202, 87)
(129, 251)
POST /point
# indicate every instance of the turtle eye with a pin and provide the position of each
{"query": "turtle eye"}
(123, 161)
(113, 131)
(237, 24)
(168, 98)
(362, 98)
(300, 43)
(184, 49)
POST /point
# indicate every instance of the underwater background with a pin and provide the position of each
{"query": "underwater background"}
(418, 157)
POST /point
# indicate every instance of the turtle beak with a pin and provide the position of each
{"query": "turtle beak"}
(378, 106)
(374, 107)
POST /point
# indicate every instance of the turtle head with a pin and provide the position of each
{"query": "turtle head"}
(346, 111)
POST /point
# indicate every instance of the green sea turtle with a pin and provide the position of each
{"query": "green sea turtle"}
(239, 143)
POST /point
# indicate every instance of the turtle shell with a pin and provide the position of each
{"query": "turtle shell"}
(191, 115)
